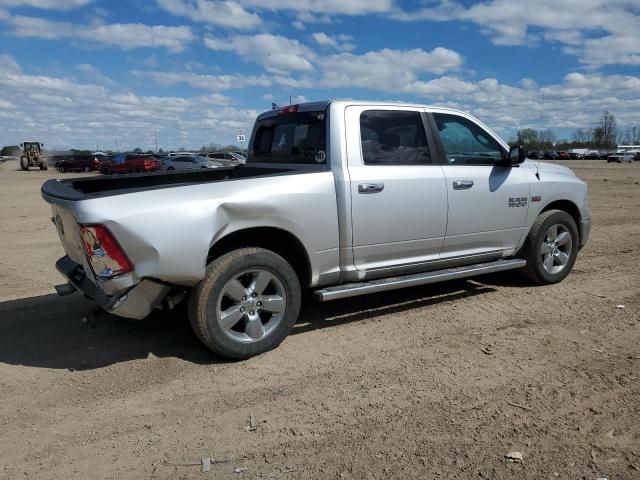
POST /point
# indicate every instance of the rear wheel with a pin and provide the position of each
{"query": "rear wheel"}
(551, 248)
(247, 303)
(87, 169)
(24, 164)
(105, 171)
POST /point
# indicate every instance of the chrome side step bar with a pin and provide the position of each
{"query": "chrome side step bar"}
(384, 284)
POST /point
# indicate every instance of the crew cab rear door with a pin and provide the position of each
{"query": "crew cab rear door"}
(398, 197)
(488, 202)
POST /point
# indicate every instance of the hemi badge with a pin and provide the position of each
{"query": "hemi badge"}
(537, 198)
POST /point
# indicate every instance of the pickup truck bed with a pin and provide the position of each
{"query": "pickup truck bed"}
(104, 186)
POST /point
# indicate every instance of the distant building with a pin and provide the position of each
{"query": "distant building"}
(625, 148)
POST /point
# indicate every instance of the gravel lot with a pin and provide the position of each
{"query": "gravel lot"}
(388, 386)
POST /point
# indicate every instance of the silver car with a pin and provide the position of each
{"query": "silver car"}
(189, 162)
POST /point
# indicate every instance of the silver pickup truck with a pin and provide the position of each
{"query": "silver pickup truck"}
(341, 198)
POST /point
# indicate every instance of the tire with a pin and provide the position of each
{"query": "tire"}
(61, 169)
(259, 329)
(24, 164)
(87, 169)
(105, 171)
(171, 168)
(567, 245)
(44, 167)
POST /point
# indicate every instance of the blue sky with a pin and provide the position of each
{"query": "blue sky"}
(83, 73)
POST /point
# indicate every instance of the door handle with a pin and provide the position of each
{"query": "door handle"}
(370, 187)
(462, 184)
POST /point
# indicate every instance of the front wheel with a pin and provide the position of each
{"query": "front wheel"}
(246, 304)
(551, 247)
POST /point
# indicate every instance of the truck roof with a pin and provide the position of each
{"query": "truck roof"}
(323, 104)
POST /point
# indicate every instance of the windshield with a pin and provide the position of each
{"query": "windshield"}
(297, 137)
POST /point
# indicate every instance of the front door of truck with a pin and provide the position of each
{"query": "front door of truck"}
(488, 202)
(398, 196)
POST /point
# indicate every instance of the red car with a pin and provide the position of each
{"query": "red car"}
(129, 163)
(564, 156)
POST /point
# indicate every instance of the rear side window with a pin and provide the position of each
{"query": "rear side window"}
(465, 143)
(391, 137)
(295, 137)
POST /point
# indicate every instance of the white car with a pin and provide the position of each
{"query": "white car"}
(231, 158)
(621, 157)
(189, 162)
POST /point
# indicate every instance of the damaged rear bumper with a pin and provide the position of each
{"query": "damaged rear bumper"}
(136, 302)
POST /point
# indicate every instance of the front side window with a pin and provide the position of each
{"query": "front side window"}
(393, 137)
(289, 137)
(465, 143)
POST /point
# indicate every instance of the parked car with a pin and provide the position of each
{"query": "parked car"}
(621, 157)
(575, 155)
(550, 155)
(533, 154)
(230, 158)
(129, 163)
(564, 156)
(340, 218)
(592, 156)
(189, 162)
(77, 163)
(178, 154)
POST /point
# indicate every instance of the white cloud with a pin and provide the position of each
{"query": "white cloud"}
(339, 42)
(342, 7)
(222, 13)
(218, 83)
(45, 4)
(598, 32)
(122, 35)
(274, 52)
(386, 69)
(98, 114)
(207, 82)
(94, 74)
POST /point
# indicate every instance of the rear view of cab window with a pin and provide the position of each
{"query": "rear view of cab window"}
(295, 137)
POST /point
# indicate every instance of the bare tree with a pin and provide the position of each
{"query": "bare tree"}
(582, 135)
(608, 127)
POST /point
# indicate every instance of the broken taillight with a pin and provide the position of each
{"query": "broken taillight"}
(105, 255)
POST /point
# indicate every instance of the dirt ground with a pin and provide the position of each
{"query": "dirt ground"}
(386, 386)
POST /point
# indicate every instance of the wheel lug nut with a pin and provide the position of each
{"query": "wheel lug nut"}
(252, 312)
(254, 295)
(244, 298)
(242, 309)
(259, 304)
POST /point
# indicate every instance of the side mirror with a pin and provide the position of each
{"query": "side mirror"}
(515, 156)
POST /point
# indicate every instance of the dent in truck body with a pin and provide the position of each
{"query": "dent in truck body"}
(184, 222)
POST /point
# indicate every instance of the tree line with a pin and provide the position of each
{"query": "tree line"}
(604, 136)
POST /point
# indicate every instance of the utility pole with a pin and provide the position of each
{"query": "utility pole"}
(116, 144)
(155, 136)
